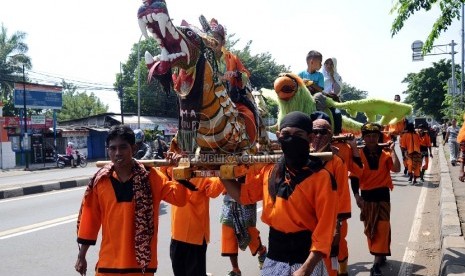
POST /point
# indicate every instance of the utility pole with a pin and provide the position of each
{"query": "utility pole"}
(121, 94)
(138, 82)
(454, 81)
(25, 138)
(417, 48)
(463, 61)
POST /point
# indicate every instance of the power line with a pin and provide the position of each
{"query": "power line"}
(70, 79)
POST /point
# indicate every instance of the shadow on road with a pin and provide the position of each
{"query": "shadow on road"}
(391, 267)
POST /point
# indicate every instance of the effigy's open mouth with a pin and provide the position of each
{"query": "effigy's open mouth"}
(154, 19)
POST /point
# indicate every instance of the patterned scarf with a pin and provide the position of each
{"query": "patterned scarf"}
(143, 220)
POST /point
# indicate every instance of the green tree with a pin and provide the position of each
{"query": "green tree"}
(153, 101)
(262, 67)
(13, 57)
(426, 90)
(78, 104)
(450, 10)
(272, 106)
(351, 93)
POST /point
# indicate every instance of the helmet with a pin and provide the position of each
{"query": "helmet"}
(140, 136)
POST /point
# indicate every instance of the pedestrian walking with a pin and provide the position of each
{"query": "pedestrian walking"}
(375, 184)
(451, 137)
(300, 214)
(123, 199)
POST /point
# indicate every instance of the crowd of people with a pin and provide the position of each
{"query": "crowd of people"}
(306, 200)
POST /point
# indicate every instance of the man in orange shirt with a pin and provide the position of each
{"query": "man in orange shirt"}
(374, 201)
(123, 199)
(321, 142)
(190, 224)
(238, 230)
(235, 78)
(410, 145)
(344, 150)
(425, 146)
(298, 202)
(190, 228)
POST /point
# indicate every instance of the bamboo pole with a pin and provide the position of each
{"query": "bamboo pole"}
(216, 160)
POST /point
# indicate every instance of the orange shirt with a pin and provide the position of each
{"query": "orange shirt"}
(397, 128)
(191, 223)
(410, 142)
(338, 169)
(345, 152)
(309, 207)
(233, 63)
(101, 209)
(376, 178)
(425, 140)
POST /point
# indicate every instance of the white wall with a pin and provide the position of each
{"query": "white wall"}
(7, 156)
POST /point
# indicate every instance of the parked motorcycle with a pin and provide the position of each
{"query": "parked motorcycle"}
(64, 160)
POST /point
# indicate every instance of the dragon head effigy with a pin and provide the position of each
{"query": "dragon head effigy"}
(181, 46)
(208, 118)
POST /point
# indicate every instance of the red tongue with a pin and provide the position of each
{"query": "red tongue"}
(160, 67)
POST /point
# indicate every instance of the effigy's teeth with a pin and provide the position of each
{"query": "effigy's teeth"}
(143, 28)
(185, 50)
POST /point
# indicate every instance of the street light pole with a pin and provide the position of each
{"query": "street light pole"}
(138, 82)
(463, 60)
(417, 48)
(25, 138)
(454, 82)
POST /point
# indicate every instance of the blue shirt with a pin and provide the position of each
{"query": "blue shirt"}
(316, 77)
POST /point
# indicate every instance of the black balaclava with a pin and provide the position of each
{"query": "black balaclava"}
(296, 149)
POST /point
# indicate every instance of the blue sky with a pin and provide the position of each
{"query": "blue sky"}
(86, 40)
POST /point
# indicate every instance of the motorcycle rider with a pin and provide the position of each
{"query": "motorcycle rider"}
(69, 154)
(160, 147)
(143, 150)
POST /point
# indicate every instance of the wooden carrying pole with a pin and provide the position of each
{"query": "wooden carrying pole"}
(213, 159)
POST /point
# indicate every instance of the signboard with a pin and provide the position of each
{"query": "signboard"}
(38, 96)
(37, 119)
(16, 122)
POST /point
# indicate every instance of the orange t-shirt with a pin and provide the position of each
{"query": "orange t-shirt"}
(338, 169)
(233, 63)
(309, 207)
(410, 142)
(191, 223)
(101, 209)
(376, 178)
(425, 140)
(397, 128)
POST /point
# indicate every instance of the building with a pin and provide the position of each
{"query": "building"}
(98, 125)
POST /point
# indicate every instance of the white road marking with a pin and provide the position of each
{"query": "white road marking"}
(36, 227)
(410, 253)
(41, 194)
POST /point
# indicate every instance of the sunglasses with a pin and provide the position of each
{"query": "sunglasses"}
(320, 131)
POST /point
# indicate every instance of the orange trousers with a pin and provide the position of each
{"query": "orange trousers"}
(229, 245)
(343, 254)
(414, 163)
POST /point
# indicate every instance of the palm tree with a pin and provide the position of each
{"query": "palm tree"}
(12, 59)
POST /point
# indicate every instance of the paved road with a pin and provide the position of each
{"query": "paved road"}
(53, 229)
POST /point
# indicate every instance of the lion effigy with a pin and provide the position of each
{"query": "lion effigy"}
(208, 118)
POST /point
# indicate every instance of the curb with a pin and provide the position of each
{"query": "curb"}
(44, 187)
(452, 241)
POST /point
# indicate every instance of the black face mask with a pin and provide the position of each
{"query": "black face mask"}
(296, 150)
